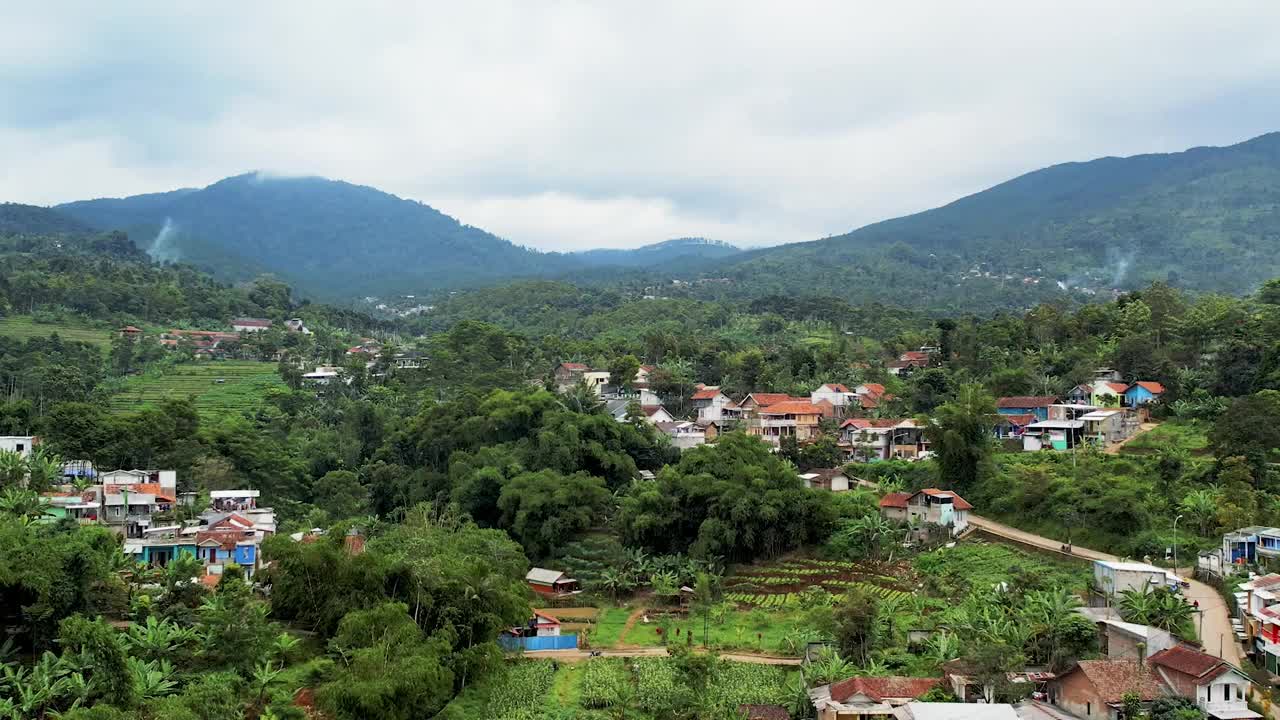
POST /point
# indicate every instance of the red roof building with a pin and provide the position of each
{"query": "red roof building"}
(895, 500)
(880, 689)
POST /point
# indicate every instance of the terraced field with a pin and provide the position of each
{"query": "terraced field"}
(245, 384)
(24, 327)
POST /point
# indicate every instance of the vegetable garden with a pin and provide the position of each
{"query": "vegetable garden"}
(779, 585)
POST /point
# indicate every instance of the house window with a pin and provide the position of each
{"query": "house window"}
(21, 447)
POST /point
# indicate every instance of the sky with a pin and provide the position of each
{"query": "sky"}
(574, 125)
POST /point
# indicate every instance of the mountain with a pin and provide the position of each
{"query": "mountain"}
(329, 239)
(1206, 219)
(16, 219)
(663, 253)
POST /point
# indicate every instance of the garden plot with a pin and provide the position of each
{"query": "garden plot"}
(778, 585)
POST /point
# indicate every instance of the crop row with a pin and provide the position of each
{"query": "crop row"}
(524, 687)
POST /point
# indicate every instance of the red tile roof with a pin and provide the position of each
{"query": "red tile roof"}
(895, 500)
(1114, 679)
(873, 388)
(1022, 419)
(957, 502)
(251, 322)
(574, 366)
(767, 399)
(879, 688)
(706, 393)
(792, 407)
(1118, 387)
(914, 355)
(1154, 388)
(651, 410)
(1265, 581)
(146, 488)
(864, 423)
(1026, 401)
(1189, 661)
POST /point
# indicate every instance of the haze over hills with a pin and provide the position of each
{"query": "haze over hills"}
(1206, 218)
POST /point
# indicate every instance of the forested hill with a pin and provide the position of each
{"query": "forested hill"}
(1206, 219)
(330, 239)
(670, 251)
(16, 219)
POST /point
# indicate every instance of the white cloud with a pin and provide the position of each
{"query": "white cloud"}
(573, 125)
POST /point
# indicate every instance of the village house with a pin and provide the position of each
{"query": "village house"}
(652, 414)
(20, 444)
(832, 479)
(870, 440)
(1119, 640)
(322, 375)
(296, 325)
(1096, 689)
(928, 506)
(1012, 426)
(908, 362)
(250, 324)
(870, 396)
(409, 360)
(1113, 577)
(1103, 427)
(753, 402)
(166, 479)
(860, 698)
(683, 434)
(551, 583)
(1037, 405)
(840, 397)
(1258, 609)
(1216, 687)
(568, 374)
(1143, 393)
(128, 509)
(793, 419)
(713, 405)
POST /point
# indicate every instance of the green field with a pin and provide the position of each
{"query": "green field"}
(245, 385)
(24, 327)
(1189, 435)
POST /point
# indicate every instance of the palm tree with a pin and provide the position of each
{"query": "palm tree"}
(13, 468)
(1201, 507)
(22, 504)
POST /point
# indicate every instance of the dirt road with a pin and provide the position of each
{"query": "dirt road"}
(1213, 624)
(1115, 449)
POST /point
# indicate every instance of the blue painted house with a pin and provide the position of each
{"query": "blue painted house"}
(1143, 393)
(1037, 405)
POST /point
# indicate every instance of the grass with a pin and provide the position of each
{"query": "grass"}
(752, 631)
(245, 385)
(25, 327)
(1190, 435)
(609, 625)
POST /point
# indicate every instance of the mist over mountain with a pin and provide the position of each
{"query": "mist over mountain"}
(1206, 219)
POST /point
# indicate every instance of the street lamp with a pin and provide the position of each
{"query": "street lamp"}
(1175, 543)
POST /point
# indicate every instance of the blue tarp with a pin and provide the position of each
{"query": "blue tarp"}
(552, 642)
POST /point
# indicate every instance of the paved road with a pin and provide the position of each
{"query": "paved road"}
(580, 655)
(1214, 623)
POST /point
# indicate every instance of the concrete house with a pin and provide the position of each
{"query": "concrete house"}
(569, 373)
(1096, 689)
(250, 324)
(832, 479)
(1143, 393)
(684, 434)
(838, 395)
(1114, 577)
(796, 419)
(21, 444)
(1037, 405)
(932, 506)
(1215, 686)
(714, 406)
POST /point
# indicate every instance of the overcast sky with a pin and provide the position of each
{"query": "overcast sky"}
(577, 125)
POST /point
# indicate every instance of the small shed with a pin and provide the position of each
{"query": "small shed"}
(553, 583)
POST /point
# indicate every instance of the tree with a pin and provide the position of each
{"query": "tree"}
(543, 510)
(103, 650)
(856, 620)
(1201, 508)
(622, 371)
(340, 494)
(960, 435)
(1250, 428)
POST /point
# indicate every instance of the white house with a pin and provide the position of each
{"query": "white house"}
(166, 479)
(713, 405)
(836, 394)
(250, 324)
(322, 375)
(1114, 577)
(596, 380)
(20, 444)
(684, 435)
